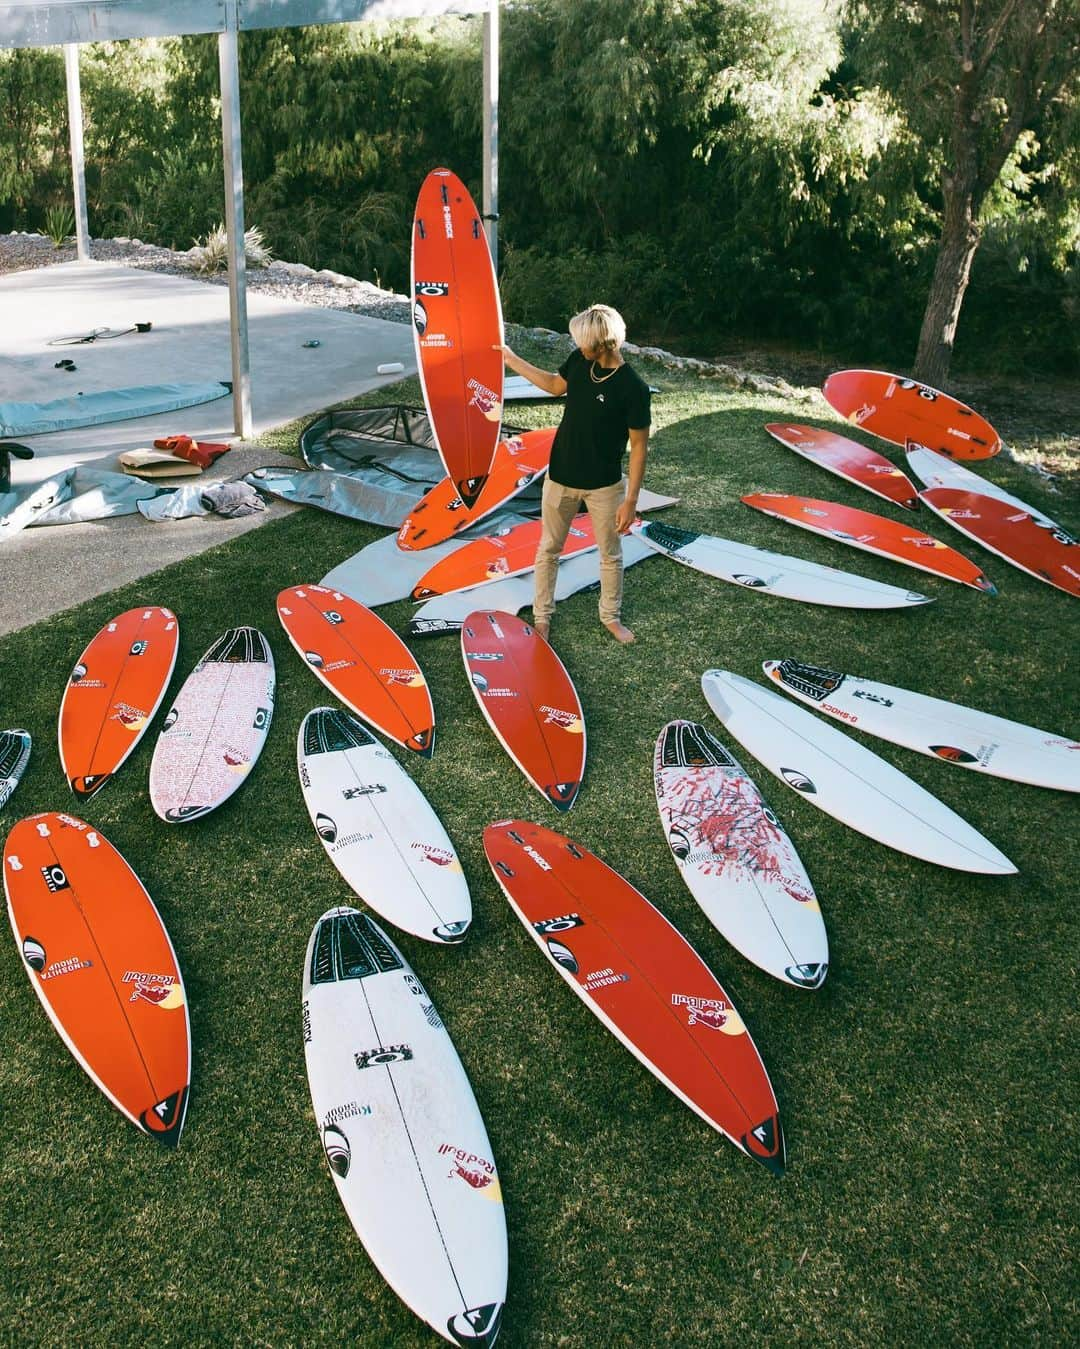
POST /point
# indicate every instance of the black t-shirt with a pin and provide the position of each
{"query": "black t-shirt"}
(589, 444)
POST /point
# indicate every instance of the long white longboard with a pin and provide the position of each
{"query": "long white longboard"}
(935, 470)
(846, 780)
(791, 578)
(401, 1130)
(942, 730)
(379, 830)
(735, 857)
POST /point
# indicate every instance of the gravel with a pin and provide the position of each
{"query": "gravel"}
(292, 280)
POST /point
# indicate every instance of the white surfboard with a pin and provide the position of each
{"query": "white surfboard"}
(735, 857)
(935, 470)
(379, 830)
(215, 729)
(401, 1130)
(14, 756)
(791, 578)
(931, 726)
(846, 780)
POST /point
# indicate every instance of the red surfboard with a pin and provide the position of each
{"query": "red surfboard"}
(362, 661)
(1043, 550)
(103, 966)
(112, 694)
(441, 513)
(458, 330)
(507, 552)
(873, 534)
(642, 978)
(848, 459)
(528, 700)
(898, 410)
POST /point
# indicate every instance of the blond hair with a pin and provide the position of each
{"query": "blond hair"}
(598, 328)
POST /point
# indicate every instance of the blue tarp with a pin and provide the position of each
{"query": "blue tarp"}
(114, 405)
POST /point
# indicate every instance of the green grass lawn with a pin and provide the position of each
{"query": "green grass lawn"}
(928, 1091)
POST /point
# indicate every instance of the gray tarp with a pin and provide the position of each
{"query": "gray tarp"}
(73, 496)
(95, 409)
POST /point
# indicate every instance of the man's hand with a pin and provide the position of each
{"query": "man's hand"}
(626, 514)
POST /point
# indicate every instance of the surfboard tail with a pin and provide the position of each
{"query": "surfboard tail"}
(468, 489)
(86, 787)
(165, 1120)
(765, 1143)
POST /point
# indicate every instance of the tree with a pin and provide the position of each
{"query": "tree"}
(974, 79)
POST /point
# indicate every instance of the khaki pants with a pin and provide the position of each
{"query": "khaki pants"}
(559, 506)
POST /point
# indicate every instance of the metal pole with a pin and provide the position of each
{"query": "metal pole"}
(78, 160)
(491, 129)
(229, 74)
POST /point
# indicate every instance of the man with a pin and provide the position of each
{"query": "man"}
(607, 403)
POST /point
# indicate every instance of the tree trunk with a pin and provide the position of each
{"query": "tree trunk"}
(952, 271)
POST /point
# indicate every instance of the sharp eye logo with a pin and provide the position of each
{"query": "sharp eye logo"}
(383, 1055)
(419, 317)
(679, 843)
(798, 780)
(338, 1151)
(432, 288)
(953, 754)
(55, 878)
(313, 658)
(562, 955)
(170, 720)
(78, 673)
(137, 648)
(34, 953)
(326, 828)
(748, 580)
(479, 681)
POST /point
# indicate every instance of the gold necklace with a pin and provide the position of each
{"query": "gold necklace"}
(603, 379)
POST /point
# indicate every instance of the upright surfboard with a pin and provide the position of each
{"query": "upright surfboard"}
(735, 857)
(873, 534)
(899, 410)
(847, 459)
(846, 780)
(642, 978)
(528, 700)
(103, 967)
(215, 729)
(361, 660)
(441, 514)
(506, 552)
(1047, 553)
(113, 693)
(458, 330)
(14, 756)
(941, 730)
(789, 578)
(401, 1131)
(379, 830)
(934, 470)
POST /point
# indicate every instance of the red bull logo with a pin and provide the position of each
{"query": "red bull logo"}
(500, 567)
(711, 1012)
(861, 413)
(132, 718)
(485, 399)
(477, 1172)
(409, 679)
(161, 990)
(569, 721)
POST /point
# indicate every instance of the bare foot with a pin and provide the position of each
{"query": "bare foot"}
(620, 632)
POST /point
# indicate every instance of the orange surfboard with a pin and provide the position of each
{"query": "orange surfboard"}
(362, 661)
(441, 513)
(848, 459)
(528, 700)
(112, 694)
(899, 410)
(897, 541)
(102, 964)
(642, 978)
(1042, 549)
(507, 552)
(458, 330)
